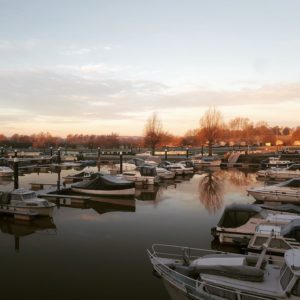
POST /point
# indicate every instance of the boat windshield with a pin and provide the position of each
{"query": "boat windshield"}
(29, 196)
(295, 183)
(294, 167)
(286, 276)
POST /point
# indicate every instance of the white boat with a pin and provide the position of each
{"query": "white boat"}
(278, 245)
(197, 274)
(287, 191)
(165, 174)
(143, 175)
(275, 162)
(292, 171)
(206, 161)
(105, 185)
(130, 165)
(6, 172)
(240, 222)
(27, 201)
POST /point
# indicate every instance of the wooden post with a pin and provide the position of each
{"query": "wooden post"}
(99, 159)
(58, 156)
(16, 173)
(58, 179)
(121, 162)
(166, 154)
(202, 150)
(51, 151)
(187, 153)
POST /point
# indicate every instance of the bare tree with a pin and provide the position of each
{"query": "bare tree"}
(211, 126)
(153, 132)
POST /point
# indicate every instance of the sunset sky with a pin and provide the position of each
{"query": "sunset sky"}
(95, 66)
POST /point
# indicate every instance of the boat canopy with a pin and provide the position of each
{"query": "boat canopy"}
(293, 183)
(148, 171)
(5, 198)
(105, 182)
(136, 161)
(292, 230)
(236, 215)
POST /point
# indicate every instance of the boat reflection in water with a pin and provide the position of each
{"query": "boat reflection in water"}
(211, 191)
(102, 208)
(20, 229)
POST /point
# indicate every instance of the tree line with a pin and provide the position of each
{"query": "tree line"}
(212, 131)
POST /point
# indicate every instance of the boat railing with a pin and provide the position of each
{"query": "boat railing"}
(172, 251)
(197, 288)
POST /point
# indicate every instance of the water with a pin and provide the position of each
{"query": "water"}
(98, 250)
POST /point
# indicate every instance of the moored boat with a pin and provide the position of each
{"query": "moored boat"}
(26, 201)
(290, 172)
(240, 222)
(105, 185)
(287, 191)
(6, 172)
(199, 274)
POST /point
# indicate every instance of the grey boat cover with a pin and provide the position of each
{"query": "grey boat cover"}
(148, 171)
(136, 161)
(292, 230)
(247, 272)
(291, 208)
(236, 215)
(105, 182)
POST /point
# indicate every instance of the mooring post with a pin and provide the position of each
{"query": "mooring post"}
(16, 173)
(16, 153)
(51, 151)
(166, 154)
(121, 162)
(202, 150)
(58, 179)
(99, 159)
(187, 153)
(58, 156)
(2, 151)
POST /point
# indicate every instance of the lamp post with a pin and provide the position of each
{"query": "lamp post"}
(121, 162)
(187, 153)
(16, 173)
(166, 154)
(16, 153)
(58, 156)
(51, 151)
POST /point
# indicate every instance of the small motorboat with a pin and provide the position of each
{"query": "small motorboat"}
(275, 162)
(240, 222)
(165, 174)
(292, 171)
(142, 175)
(278, 245)
(130, 165)
(105, 185)
(206, 161)
(26, 201)
(287, 191)
(6, 172)
(191, 273)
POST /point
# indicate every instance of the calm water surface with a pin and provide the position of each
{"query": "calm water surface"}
(98, 250)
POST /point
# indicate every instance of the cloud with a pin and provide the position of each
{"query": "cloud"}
(91, 95)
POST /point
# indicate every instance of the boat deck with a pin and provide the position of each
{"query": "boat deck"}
(268, 287)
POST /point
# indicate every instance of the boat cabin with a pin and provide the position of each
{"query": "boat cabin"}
(292, 183)
(148, 171)
(26, 197)
(294, 167)
(290, 273)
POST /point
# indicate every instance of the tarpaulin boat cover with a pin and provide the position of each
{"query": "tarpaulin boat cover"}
(292, 230)
(105, 182)
(236, 215)
(246, 271)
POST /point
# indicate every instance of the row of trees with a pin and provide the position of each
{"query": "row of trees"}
(46, 140)
(213, 130)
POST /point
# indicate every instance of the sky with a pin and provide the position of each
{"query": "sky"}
(96, 66)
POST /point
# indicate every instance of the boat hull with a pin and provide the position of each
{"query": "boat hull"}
(41, 211)
(120, 193)
(275, 196)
